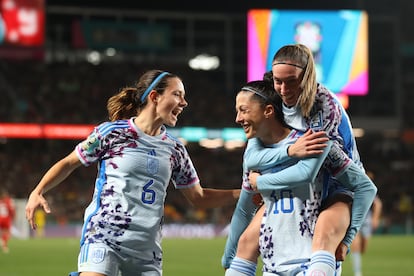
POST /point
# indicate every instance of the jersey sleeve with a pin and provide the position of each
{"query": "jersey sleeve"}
(90, 149)
(184, 174)
(256, 153)
(328, 116)
(301, 173)
(243, 214)
(364, 194)
(349, 172)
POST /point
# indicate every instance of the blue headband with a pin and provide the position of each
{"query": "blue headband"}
(153, 83)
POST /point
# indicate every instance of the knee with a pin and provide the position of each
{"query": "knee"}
(247, 243)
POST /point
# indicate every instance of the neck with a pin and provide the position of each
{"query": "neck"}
(147, 125)
(275, 134)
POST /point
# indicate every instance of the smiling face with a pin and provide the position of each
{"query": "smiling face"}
(250, 114)
(287, 79)
(172, 102)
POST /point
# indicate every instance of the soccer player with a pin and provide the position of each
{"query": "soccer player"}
(7, 213)
(309, 105)
(137, 159)
(291, 210)
(371, 223)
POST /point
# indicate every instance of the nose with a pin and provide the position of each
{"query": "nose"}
(283, 88)
(238, 118)
(183, 102)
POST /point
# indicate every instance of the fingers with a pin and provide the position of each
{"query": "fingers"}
(257, 199)
(29, 217)
(34, 202)
(319, 136)
(252, 179)
(46, 207)
(341, 252)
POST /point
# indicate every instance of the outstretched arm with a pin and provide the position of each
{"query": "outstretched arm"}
(243, 214)
(53, 177)
(210, 198)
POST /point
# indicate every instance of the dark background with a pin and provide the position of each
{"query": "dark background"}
(65, 88)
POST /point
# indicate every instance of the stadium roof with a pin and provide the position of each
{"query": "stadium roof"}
(209, 6)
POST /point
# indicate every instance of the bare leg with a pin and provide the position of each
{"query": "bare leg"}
(330, 230)
(5, 236)
(331, 227)
(248, 245)
(245, 262)
(356, 249)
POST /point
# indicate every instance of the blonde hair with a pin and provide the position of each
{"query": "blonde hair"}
(300, 55)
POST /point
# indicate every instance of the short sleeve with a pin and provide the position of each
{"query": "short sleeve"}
(90, 149)
(184, 174)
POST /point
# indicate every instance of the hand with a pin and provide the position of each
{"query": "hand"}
(35, 200)
(253, 179)
(257, 199)
(311, 143)
(341, 252)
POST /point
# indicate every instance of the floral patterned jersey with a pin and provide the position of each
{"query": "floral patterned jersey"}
(134, 171)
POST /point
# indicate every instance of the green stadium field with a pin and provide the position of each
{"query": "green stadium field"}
(387, 255)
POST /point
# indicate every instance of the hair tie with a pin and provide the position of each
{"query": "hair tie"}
(153, 83)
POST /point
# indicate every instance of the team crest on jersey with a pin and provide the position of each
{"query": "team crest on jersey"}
(318, 273)
(152, 165)
(97, 255)
(316, 121)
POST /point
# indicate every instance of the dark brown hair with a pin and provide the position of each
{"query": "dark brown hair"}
(129, 101)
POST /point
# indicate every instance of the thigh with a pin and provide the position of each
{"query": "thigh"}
(331, 226)
(133, 267)
(248, 245)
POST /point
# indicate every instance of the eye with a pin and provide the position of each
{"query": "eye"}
(291, 82)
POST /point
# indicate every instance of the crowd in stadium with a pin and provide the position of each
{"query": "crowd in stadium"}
(77, 93)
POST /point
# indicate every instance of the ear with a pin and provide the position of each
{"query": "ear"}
(269, 111)
(153, 96)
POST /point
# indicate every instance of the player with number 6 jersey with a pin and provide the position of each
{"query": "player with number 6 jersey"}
(137, 160)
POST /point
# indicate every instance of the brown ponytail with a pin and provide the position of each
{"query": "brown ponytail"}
(123, 105)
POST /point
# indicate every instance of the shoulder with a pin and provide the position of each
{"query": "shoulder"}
(324, 94)
(108, 127)
(326, 101)
(106, 131)
(176, 145)
(169, 136)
